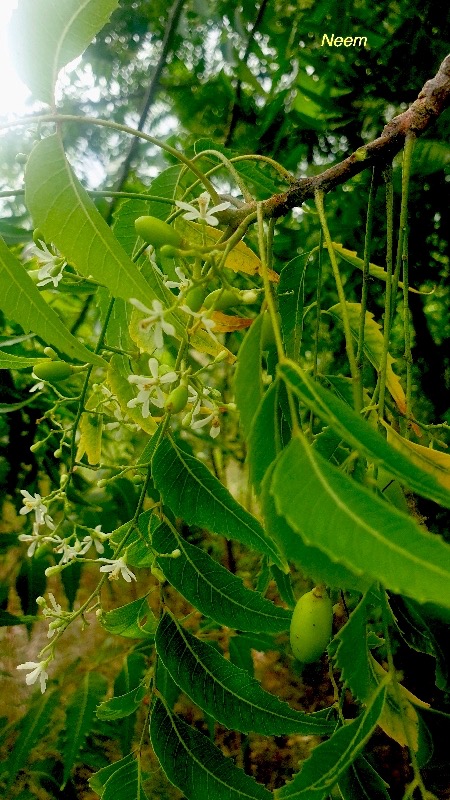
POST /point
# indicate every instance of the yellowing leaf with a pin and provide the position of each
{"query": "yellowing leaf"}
(241, 258)
(399, 718)
(376, 272)
(435, 462)
(91, 427)
(373, 348)
(226, 323)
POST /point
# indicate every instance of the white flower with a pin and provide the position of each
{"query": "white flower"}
(204, 319)
(200, 406)
(69, 552)
(202, 213)
(212, 417)
(149, 387)
(38, 671)
(156, 318)
(37, 386)
(116, 565)
(52, 267)
(96, 538)
(35, 504)
(55, 611)
(32, 539)
(182, 285)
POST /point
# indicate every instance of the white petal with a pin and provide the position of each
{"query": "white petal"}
(139, 305)
(186, 206)
(192, 215)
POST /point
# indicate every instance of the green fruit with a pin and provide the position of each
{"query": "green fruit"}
(267, 332)
(221, 299)
(311, 625)
(195, 298)
(177, 399)
(53, 371)
(156, 232)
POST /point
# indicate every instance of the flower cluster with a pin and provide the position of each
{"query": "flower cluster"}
(41, 518)
(52, 267)
(204, 412)
(150, 388)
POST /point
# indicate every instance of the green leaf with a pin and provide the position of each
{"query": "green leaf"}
(194, 494)
(22, 302)
(119, 780)
(248, 384)
(362, 782)
(215, 591)
(351, 525)
(284, 586)
(67, 216)
(134, 620)
(123, 705)
(330, 759)
(313, 562)
(7, 619)
(10, 361)
(129, 689)
(194, 765)
(48, 34)
(429, 481)
(79, 717)
(352, 653)
(127, 681)
(165, 685)
(264, 439)
(224, 690)
(291, 291)
(32, 728)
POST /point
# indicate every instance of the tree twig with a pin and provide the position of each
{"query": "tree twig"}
(431, 102)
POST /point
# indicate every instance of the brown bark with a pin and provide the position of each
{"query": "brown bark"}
(431, 102)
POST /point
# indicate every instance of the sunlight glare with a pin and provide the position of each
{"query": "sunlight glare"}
(13, 93)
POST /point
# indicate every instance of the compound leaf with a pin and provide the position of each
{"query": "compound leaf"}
(193, 493)
(215, 591)
(351, 525)
(225, 691)
(194, 765)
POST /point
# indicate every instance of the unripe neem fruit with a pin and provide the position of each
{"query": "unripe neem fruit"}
(221, 299)
(311, 625)
(195, 298)
(53, 371)
(177, 399)
(156, 232)
(267, 332)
